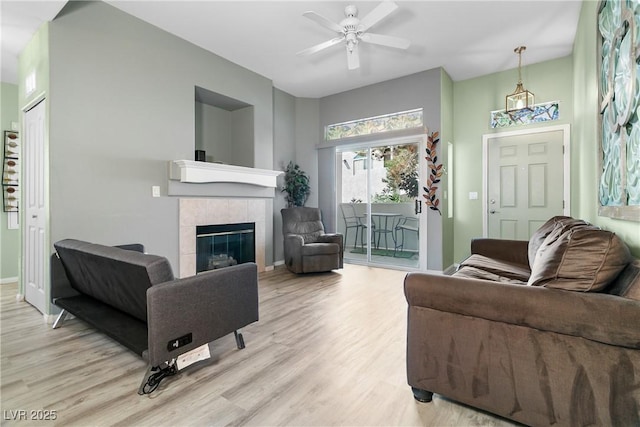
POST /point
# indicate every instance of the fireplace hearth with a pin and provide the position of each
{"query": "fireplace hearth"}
(223, 245)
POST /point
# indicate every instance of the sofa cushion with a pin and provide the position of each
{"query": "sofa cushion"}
(117, 277)
(579, 258)
(500, 268)
(547, 228)
(627, 283)
(470, 272)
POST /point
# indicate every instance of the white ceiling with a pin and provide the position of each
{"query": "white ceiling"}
(467, 38)
(19, 20)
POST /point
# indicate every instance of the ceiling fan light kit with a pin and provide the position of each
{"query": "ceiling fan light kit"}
(352, 31)
(520, 98)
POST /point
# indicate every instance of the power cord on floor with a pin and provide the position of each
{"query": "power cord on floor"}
(154, 379)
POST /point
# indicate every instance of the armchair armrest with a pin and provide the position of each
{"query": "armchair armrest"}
(293, 251)
(293, 240)
(334, 238)
(331, 238)
(599, 317)
(207, 306)
(515, 251)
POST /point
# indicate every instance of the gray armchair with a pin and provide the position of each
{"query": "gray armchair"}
(307, 248)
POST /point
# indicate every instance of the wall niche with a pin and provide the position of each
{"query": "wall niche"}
(224, 128)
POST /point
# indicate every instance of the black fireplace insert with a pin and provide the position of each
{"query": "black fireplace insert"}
(223, 245)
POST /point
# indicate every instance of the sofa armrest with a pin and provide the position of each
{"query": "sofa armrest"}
(595, 316)
(207, 306)
(507, 250)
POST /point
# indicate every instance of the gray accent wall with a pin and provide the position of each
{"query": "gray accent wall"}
(420, 90)
(121, 106)
(213, 132)
(446, 137)
(307, 138)
(284, 151)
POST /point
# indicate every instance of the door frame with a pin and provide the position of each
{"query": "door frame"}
(421, 140)
(21, 296)
(566, 133)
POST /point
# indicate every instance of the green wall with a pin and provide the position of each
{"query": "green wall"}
(473, 100)
(585, 150)
(9, 239)
(571, 80)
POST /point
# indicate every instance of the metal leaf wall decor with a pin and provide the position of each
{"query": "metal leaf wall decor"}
(435, 173)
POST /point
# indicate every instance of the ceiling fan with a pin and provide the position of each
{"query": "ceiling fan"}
(353, 30)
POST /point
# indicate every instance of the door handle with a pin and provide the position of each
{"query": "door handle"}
(418, 206)
(34, 216)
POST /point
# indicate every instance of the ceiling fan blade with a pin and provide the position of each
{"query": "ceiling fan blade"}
(377, 14)
(317, 48)
(353, 58)
(397, 42)
(323, 21)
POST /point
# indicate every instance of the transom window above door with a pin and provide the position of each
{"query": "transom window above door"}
(410, 119)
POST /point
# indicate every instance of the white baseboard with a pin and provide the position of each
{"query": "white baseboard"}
(268, 268)
(19, 297)
(8, 280)
(277, 263)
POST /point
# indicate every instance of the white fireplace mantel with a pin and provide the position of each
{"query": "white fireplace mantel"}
(203, 172)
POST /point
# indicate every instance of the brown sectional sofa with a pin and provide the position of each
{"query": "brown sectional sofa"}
(544, 332)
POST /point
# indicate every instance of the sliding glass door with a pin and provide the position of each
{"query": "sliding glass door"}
(378, 202)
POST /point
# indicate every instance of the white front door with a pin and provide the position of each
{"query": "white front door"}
(526, 181)
(34, 206)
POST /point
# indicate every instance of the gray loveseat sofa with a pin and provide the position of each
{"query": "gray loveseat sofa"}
(134, 298)
(544, 332)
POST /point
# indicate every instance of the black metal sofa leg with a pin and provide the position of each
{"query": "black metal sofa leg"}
(239, 339)
(420, 395)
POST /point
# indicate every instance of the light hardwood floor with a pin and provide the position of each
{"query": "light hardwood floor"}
(329, 349)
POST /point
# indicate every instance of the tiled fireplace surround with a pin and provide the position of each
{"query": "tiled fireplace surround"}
(214, 211)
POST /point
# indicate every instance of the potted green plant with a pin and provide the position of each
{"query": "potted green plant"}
(296, 185)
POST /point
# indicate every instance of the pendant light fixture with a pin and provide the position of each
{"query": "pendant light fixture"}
(520, 98)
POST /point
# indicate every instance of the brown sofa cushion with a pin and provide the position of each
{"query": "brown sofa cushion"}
(580, 258)
(470, 272)
(547, 228)
(506, 269)
(628, 282)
